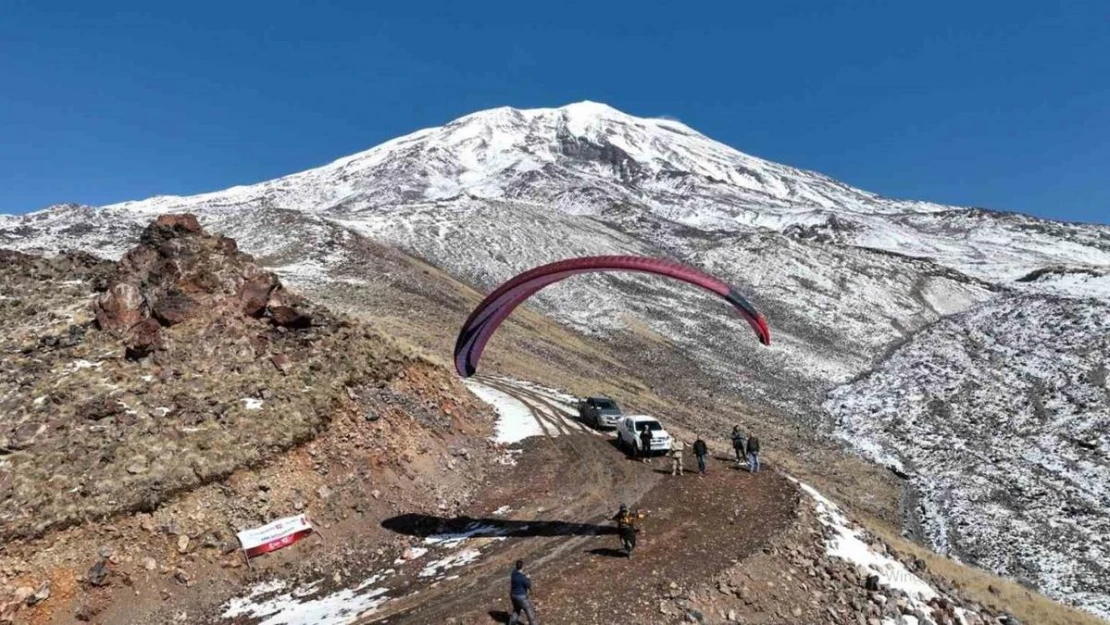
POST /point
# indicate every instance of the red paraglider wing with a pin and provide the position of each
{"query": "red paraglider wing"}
(485, 319)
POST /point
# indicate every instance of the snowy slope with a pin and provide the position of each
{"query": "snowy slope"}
(1001, 415)
(587, 158)
(844, 276)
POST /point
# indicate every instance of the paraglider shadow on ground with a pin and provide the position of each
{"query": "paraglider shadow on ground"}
(424, 526)
(608, 553)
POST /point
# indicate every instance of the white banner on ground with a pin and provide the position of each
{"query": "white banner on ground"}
(275, 535)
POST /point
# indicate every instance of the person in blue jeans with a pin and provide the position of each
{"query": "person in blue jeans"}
(701, 450)
(753, 453)
(520, 588)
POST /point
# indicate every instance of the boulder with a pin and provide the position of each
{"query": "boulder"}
(254, 294)
(184, 222)
(288, 317)
(119, 308)
(173, 308)
(99, 573)
(146, 338)
(100, 408)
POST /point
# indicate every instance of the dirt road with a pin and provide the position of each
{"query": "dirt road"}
(561, 494)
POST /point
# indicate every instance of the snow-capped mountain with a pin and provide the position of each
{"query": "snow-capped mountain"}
(844, 276)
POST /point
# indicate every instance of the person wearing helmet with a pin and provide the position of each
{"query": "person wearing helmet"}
(626, 525)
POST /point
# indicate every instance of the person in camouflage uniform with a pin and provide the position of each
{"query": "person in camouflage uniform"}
(677, 447)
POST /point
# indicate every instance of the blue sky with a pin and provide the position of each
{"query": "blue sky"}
(1004, 105)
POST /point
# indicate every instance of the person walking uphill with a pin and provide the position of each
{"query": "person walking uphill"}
(753, 454)
(520, 589)
(739, 445)
(645, 444)
(701, 450)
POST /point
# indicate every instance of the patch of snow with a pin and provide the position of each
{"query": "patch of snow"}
(307, 605)
(339, 608)
(847, 545)
(252, 403)
(515, 421)
(502, 511)
(81, 363)
(454, 539)
(412, 553)
(455, 560)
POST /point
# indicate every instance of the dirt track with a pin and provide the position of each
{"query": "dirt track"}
(563, 491)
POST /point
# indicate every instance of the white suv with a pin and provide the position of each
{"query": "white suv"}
(629, 428)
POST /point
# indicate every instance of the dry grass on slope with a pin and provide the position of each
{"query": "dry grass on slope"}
(987, 589)
(197, 364)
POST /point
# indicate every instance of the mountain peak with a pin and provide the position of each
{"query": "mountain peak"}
(593, 109)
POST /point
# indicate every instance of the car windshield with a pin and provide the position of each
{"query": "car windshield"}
(605, 404)
(650, 425)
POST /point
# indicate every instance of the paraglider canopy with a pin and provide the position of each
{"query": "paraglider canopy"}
(499, 304)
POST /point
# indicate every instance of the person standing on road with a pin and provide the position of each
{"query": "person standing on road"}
(677, 447)
(753, 453)
(739, 445)
(520, 589)
(645, 444)
(626, 526)
(701, 450)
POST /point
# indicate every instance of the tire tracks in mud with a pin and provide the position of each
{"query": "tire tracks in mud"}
(569, 485)
(544, 409)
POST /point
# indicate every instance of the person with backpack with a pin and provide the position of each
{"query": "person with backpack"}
(626, 526)
(701, 450)
(753, 453)
(739, 445)
(520, 590)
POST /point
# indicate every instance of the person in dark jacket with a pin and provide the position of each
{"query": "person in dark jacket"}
(753, 453)
(739, 445)
(626, 526)
(701, 450)
(645, 444)
(520, 589)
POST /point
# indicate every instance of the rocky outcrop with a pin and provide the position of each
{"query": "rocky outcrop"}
(177, 273)
(123, 385)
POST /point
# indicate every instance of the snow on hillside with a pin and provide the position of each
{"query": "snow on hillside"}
(1000, 417)
(844, 276)
(587, 158)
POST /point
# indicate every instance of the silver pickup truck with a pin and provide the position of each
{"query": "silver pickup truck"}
(599, 412)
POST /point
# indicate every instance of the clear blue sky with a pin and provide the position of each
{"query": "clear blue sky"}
(1004, 105)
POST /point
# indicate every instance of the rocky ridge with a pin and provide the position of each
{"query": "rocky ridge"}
(149, 408)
